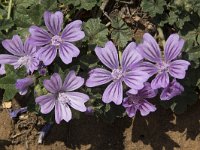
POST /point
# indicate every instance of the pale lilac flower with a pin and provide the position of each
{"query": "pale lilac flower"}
(15, 113)
(89, 111)
(2, 70)
(173, 89)
(160, 65)
(121, 71)
(61, 96)
(55, 40)
(23, 84)
(44, 131)
(21, 54)
(132, 103)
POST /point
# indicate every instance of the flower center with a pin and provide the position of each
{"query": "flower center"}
(134, 99)
(163, 67)
(117, 74)
(56, 40)
(23, 61)
(62, 98)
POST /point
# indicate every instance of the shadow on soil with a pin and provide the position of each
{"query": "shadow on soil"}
(3, 144)
(90, 131)
(153, 128)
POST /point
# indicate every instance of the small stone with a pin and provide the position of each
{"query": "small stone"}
(7, 105)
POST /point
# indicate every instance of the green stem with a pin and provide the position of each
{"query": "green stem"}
(161, 35)
(120, 54)
(9, 11)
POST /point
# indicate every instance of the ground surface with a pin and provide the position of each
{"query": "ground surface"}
(160, 130)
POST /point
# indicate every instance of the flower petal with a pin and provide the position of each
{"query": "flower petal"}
(72, 82)
(46, 102)
(108, 55)
(173, 47)
(148, 67)
(172, 90)
(161, 80)
(23, 92)
(149, 49)
(114, 92)
(135, 79)
(72, 32)
(147, 91)
(29, 49)
(146, 107)
(62, 112)
(33, 65)
(8, 59)
(2, 69)
(77, 100)
(67, 51)
(130, 56)
(39, 36)
(98, 77)
(53, 21)
(14, 46)
(54, 84)
(177, 68)
(131, 111)
(47, 54)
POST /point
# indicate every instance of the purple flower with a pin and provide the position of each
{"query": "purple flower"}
(2, 70)
(160, 65)
(173, 89)
(23, 84)
(54, 40)
(89, 111)
(132, 103)
(44, 131)
(15, 113)
(123, 71)
(22, 54)
(61, 96)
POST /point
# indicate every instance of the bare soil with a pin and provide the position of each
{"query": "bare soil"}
(159, 130)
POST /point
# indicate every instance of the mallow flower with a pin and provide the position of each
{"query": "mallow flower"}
(22, 85)
(173, 89)
(124, 70)
(135, 102)
(54, 40)
(21, 54)
(62, 95)
(163, 65)
(2, 70)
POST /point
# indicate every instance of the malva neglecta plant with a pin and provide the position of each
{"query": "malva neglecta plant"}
(63, 59)
(141, 71)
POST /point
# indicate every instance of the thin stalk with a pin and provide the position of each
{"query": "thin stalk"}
(161, 35)
(9, 11)
(120, 54)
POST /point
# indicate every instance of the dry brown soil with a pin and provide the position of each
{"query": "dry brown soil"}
(159, 130)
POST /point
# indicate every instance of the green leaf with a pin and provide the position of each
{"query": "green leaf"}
(50, 5)
(10, 92)
(8, 84)
(79, 4)
(24, 3)
(8, 81)
(35, 13)
(153, 7)
(121, 33)
(95, 32)
(6, 24)
(21, 18)
(75, 3)
(88, 4)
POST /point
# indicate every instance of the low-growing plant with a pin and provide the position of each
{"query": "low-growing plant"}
(51, 48)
